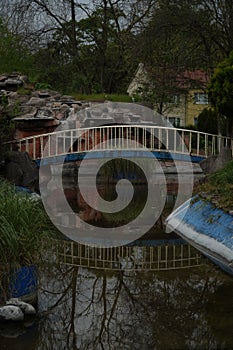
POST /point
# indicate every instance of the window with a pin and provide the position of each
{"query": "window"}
(175, 121)
(174, 99)
(200, 98)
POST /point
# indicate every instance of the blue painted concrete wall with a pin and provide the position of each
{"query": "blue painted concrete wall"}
(205, 218)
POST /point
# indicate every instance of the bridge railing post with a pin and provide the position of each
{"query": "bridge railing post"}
(190, 142)
(219, 143)
(213, 146)
(198, 144)
(41, 140)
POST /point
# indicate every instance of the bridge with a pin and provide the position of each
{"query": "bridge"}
(116, 140)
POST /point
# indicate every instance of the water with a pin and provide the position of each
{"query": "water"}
(82, 308)
(159, 294)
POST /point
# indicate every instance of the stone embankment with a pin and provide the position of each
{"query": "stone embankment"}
(34, 111)
(41, 111)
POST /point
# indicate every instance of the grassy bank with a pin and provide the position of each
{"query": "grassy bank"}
(102, 97)
(218, 187)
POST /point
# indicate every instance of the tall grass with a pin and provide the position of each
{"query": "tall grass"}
(23, 225)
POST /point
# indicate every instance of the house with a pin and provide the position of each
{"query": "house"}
(194, 83)
(181, 101)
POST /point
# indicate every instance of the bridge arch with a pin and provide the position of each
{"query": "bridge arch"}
(161, 140)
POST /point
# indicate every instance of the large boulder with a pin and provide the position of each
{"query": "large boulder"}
(11, 313)
(27, 308)
(37, 102)
(216, 162)
(21, 170)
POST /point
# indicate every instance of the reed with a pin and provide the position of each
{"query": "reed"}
(23, 225)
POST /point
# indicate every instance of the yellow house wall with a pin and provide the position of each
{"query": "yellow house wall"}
(176, 110)
(193, 109)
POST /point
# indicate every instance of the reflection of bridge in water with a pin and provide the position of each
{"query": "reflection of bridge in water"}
(152, 255)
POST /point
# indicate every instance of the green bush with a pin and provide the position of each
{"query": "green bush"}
(219, 187)
(223, 177)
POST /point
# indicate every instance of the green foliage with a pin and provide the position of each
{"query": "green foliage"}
(220, 88)
(23, 92)
(174, 41)
(7, 125)
(223, 176)
(102, 97)
(23, 224)
(208, 121)
(100, 52)
(219, 187)
(190, 127)
(97, 61)
(50, 69)
(42, 86)
(13, 53)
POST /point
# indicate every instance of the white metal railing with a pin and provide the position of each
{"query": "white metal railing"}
(123, 137)
(153, 258)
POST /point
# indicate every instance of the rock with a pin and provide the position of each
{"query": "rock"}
(65, 98)
(27, 116)
(12, 96)
(10, 82)
(3, 77)
(36, 101)
(44, 112)
(21, 170)
(26, 308)
(28, 110)
(44, 94)
(35, 94)
(11, 313)
(14, 173)
(216, 162)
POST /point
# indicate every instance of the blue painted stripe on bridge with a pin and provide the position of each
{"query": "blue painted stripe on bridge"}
(161, 155)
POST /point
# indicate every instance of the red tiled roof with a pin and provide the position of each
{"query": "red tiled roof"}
(193, 79)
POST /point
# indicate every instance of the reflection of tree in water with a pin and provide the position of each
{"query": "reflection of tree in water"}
(90, 309)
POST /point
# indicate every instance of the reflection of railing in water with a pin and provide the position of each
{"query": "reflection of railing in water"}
(168, 256)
